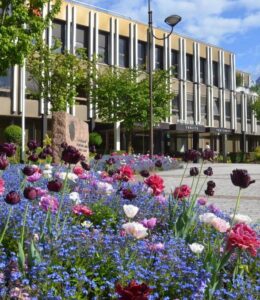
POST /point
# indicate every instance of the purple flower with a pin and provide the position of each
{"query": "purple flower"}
(35, 177)
(28, 170)
(202, 201)
(54, 185)
(212, 208)
(208, 171)
(156, 247)
(191, 155)
(194, 171)
(85, 166)
(149, 223)
(145, 173)
(208, 154)
(158, 163)
(42, 155)
(32, 145)
(241, 178)
(12, 198)
(3, 162)
(33, 157)
(71, 155)
(48, 150)
(30, 193)
(110, 161)
(128, 194)
(49, 203)
(8, 149)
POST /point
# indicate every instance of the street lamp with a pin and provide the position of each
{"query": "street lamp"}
(171, 21)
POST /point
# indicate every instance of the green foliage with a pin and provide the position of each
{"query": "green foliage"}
(58, 75)
(13, 134)
(123, 95)
(239, 79)
(256, 105)
(21, 24)
(257, 153)
(95, 139)
(47, 141)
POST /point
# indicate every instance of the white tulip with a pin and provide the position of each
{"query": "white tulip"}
(47, 173)
(104, 187)
(136, 229)
(196, 248)
(241, 219)
(207, 218)
(74, 196)
(130, 210)
(86, 224)
(70, 176)
(48, 167)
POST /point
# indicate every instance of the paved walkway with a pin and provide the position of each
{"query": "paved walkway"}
(225, 191)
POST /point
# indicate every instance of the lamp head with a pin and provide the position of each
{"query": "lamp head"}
(172, 20)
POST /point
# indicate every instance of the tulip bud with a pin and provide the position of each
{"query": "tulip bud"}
(3, 162)
(54, 185)
(28, 170)
(12, 198)
(30, 193)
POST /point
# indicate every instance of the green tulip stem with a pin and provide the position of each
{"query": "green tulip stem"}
(236, 207)
(24, 222)
(6, 224)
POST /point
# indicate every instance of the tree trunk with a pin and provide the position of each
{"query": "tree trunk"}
(129, 135)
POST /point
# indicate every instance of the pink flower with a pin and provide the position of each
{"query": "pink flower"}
(149, 223)
(220, 224)
(78, 170)
(182, 192)
(2, 186)
(41, 192)
(244, 237)
(125, 173)
(84, 176)
(202, 201)
(156, 183)
(49, 203)
(35, 177)
(156, 247)
(80, 209)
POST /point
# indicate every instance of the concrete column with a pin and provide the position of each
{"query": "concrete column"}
(14, 88)
(116, 55)
(117, 136)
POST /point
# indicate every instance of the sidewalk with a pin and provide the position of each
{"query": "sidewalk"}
(225, 192)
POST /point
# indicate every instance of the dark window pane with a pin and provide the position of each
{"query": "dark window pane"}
(239, 110)
(227, 76)
(5, 81)
(158, 57)
(202, 70)
(249, 110)
(216, 108)
(228, 109)
(81, 37)
(58, 33)
(123, 52)
(215, 73)
(189, 67)
(176, 103)
(175, 63)
(190, 105)
(203, 105)
(103, 47)
(141, 53)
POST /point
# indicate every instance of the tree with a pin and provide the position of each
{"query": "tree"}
(58, 76)
(123, 95)
(21, 23)
(256, 104)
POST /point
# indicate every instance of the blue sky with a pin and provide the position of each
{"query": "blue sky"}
(231, 24)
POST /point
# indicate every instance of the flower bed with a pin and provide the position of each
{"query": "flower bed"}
(71, 232)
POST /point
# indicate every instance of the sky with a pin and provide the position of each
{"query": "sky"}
(231, 24)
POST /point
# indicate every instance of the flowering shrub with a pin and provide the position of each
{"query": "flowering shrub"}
(85, 236)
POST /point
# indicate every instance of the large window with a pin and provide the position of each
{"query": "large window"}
(202, 70)
(189, 67)
(82, 37)
(158, 57)
(215, 73)
(203, 106)
(228, 109)
(249, 110)
(227, 77)
(175, 63)
(58, 33)
(216, 108)
(141, 53)
(103, 46)
(239, 111)
(176, 104)
(190, 105)
(123, 52)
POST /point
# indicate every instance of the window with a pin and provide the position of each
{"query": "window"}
(5, 81)
(141, 53)
(227, 77)
(58, 33)
(202, 70)
(239, 110)
(190, 105)
(176, 103)
(228, 109)
(158, 57)
(123, 52)
(189, 67)
(81, 37)
(203, 105)
(216, 108)
(103, 47)
(175, 63)
(249, 110)
(215, 73)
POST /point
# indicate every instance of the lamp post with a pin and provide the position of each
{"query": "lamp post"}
(171, 21)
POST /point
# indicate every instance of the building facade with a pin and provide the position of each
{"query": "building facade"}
(208, 106)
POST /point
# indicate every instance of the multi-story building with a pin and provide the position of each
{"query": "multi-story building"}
(208, 106)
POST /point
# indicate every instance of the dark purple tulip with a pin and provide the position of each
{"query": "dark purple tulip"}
(30, 193)
(194, 171)
(42, 155)
(8, 149)
(241, 178)
(209, 191)
(28, 170)
(208, 154)
(211, 184)
(54, 185)
(32, 145)
(98, 156)
(145, 173)
(48, 150)
(64, 145)
(3, 162)
(110, 161)
(158, 163)
(85, 166)
(128, 194)
(71, 155)
(82, 157)
(191, 155)
(208, 171)
(33, 157)
(12, 198)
